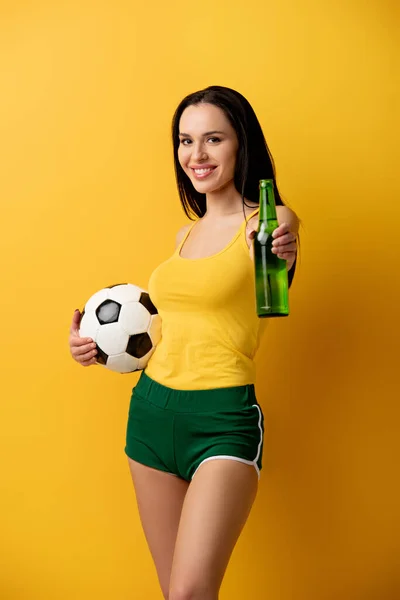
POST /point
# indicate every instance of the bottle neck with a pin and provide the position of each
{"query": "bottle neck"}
(267, 202)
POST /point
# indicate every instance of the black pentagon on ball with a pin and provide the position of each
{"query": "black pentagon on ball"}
(147, 303)
(101, 356)
(116, 285)
(139, 345)
(108, 312)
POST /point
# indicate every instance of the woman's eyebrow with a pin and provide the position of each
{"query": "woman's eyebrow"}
(204, 134)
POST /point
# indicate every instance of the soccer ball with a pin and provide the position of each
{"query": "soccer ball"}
(125, 325)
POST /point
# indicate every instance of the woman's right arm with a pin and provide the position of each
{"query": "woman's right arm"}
(83, 350)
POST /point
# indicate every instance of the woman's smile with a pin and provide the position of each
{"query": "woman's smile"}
(203, 172)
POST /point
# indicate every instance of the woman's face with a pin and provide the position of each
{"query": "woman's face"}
(208, 147)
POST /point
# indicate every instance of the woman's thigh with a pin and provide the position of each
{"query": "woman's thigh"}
(215, 510)
(160, 497)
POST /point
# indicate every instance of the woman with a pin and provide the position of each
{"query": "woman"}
(195, 430)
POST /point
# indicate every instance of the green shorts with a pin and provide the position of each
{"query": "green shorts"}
(177, 430)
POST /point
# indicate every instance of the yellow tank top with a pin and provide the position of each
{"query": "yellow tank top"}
(210, 330)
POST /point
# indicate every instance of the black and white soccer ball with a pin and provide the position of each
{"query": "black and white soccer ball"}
(125, 325)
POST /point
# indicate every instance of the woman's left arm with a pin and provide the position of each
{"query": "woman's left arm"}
(284, 244)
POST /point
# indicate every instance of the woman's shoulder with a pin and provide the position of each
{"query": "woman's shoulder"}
(181, 233)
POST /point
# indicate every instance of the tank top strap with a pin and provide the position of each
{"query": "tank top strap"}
(245, 221)
(178, 249)
(255, 211)
(241, 230)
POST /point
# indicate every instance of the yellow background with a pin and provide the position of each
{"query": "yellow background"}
(88, 198)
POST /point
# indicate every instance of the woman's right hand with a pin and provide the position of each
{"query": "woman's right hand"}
(83, 350)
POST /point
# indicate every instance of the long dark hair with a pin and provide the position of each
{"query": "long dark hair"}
(254, 160)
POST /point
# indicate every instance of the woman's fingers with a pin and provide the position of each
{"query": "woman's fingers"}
(284, 249)
(87, 363)
(287, 238)
(85, 354)
(82, 348)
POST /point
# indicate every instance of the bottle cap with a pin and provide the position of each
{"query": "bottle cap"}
(264, 183)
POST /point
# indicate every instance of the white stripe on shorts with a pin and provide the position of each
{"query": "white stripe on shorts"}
(242, 460)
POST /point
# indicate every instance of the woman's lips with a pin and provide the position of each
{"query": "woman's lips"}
(205, 174)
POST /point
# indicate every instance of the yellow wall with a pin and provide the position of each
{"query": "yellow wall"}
(88, 198)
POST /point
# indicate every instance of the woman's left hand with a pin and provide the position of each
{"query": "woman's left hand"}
(284, 244)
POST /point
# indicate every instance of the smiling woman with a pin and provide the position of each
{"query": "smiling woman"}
(220, 155)
(194, 436)
(195, 431)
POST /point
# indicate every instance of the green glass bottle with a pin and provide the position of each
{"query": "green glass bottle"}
(271, 277)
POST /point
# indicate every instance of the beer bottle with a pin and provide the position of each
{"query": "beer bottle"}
(271, 277)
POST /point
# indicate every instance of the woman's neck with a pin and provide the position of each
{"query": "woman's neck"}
(224, 203)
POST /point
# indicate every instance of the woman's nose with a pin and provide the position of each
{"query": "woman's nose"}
(199, 152)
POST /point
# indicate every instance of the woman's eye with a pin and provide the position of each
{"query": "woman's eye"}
(215, 139)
